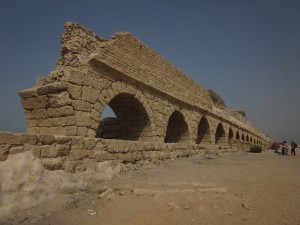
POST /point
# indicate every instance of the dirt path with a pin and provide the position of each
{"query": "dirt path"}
(231, 189)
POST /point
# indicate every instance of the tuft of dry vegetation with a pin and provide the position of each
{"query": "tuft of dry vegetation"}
(216, 98)
(243, 113)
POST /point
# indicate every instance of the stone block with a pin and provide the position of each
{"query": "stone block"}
(37, 114)
(35, 149)
(78, 155)
(92, 155)
(39, 102)
(61, 139)
(82, 119)
(100, 146)
(98, 107)
(4, 150)
(102, 101)
(62, 150)
(82, 105)
(61, 111)
(70, 130)
(93, 79)
(82, 131)
(128, 157)
(29, 138)
(90, 94)
(44, 122)
(16, 150)
(95, 115)
(66, 131)
(48, 151)
(116, 147)
(52, 88)
(53, 164)
(10, 138)
(105, 95)
(77, 143)
(89, 144)
(62, 121)
(94, 124)
(74, 77)
(59, 100)
(28, 93)
(80, 167)
(101, 156)
(40, 81)
(75, 91)
(149, 155)
(70, 166)
(46, 139)
(111, 93)
(31, 124)
(91, 133)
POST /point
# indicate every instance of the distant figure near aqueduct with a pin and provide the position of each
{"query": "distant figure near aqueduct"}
(152, 99)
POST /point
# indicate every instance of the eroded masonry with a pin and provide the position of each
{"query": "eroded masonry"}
(160, 111)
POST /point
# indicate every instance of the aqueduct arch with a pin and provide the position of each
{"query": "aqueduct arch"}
(133, 120)
(204, 136)
(177, 129)
(132, 110)
(237, 136)
(220, 135)
(230, 137)
(153, 100)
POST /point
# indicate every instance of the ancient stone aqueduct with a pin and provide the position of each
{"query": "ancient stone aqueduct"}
(161, 112)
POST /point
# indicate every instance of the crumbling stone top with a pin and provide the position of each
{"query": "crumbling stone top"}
(129, 56)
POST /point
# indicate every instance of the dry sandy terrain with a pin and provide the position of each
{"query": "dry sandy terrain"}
(231, 189)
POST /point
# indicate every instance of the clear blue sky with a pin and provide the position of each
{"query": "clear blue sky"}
(247, 51)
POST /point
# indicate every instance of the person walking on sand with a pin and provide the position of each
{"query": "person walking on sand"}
(283, 148)
(293, 147)
(279, 150)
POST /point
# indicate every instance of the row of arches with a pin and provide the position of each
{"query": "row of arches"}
(131, 121)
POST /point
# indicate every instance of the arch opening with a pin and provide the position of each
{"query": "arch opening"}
(109, 126)
(230, 137)
(131, 121)
(237, 136)
(177, 129)
(220, 135)
(203, 136)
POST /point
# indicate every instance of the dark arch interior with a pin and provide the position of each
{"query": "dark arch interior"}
(237, 136)
(131, 122)
(203, 132)
(177, 129)
(220, 135)
(230, 135)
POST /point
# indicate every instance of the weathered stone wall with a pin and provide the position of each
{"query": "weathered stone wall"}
(69, 153)
(143, 116)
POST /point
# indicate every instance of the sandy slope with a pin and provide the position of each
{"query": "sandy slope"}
(231, 189)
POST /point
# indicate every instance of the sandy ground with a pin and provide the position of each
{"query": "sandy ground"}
(252, 188)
